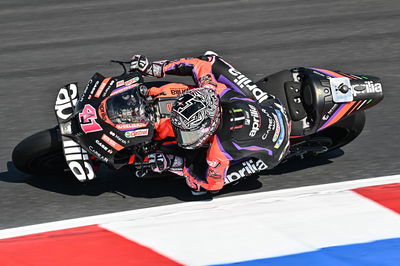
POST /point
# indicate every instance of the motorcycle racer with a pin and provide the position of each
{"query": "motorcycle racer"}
(226, 120)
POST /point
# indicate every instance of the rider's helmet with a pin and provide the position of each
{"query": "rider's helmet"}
(195, 117)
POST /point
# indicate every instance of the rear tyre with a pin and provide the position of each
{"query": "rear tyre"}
(40, 154)
(331, 138)
(345, 131)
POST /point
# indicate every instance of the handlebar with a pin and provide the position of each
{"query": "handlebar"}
(123, 63)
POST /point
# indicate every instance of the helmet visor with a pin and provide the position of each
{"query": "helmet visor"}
(189, 138)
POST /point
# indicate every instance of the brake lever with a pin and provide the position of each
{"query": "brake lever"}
(121, 63)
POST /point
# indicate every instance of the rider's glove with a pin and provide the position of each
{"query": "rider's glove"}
(142, 64)
(160, 162)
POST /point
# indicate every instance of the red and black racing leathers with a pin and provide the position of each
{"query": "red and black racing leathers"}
(254, 124)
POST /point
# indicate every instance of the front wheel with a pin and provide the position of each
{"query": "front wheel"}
(40, 154)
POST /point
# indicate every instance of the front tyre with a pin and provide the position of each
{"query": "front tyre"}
(40, 154)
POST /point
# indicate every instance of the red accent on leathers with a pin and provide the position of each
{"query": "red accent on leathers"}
(201, 70)
(216, 172)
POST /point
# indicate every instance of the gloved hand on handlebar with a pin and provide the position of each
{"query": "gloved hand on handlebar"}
(142, 64)
(160, 162)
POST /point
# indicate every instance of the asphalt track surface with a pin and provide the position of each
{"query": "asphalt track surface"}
(45, 45)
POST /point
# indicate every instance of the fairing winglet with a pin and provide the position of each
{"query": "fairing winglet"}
(77, 158)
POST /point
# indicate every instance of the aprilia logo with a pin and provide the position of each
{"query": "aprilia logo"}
(249, 168)
(256, 121)
(77, 160)
(66, 100)
(76, 157)
(243, 82)
(367, 87)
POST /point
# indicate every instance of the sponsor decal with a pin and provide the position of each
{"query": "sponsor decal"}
(277, 130)
(137, 133)
(177, 92)
(213, 163)
(89, 96)
(124, 127)
(66, 101)
(131, 81)
(282, 109)
(256, 123)
(86, 88)
(247, 120)
(213, 173)
(249, 168)
(118, 137)
(120, 83)
(243, 82)
(111, 142)
(101, 88)
(103, 146)
(93, 89)
(271, 125)
(204, 79)
(367, 87)
(330, 112)
(102, 111)
(282, 132)
(123, 89)
(108, 88)
(88, 118)
(320, 74)
(265, 135)
(205, 82)
(97, 154)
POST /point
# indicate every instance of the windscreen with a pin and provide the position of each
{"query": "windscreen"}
(126, 107)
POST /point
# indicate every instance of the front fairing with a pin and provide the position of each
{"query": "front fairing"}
(92, 128)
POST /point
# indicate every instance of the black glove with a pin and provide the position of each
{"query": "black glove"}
(142, 64)
(160, 162)
(155, 162)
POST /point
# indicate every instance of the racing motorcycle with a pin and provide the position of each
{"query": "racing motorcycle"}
(326, 110)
